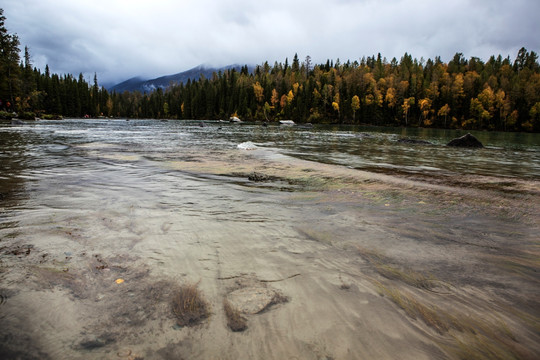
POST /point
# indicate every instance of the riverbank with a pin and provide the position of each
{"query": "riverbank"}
(365, 265)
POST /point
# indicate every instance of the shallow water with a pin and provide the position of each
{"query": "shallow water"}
(84, 202)
(53, 143)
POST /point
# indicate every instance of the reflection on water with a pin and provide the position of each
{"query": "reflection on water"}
(85, 202)
(13, 161)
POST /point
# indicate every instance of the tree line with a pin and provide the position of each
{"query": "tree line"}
(499, 94)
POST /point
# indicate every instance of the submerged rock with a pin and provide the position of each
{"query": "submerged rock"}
(466, 140)
(413, 141)
(97, 342)
(257, 177)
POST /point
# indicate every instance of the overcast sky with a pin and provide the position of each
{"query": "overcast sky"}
(119, 39)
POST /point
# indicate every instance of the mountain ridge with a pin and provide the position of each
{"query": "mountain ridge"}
(142, 85)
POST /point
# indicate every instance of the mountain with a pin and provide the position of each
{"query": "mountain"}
(128, 85)
(146, 86)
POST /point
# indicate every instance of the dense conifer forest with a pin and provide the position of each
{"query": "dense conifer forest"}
(497, 94)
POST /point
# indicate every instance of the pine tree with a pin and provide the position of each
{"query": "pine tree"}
(9, 66)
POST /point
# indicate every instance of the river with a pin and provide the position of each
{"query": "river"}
(101, 219)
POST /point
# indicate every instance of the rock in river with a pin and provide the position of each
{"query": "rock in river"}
(253, 300)
(413, 141)
(286, 122)
(17, 122)
(257, 177)
(467, 140)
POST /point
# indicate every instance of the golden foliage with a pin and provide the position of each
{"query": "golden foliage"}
(390, 97)
(290, 97)
(258, 91)
(275, 97)
(355, 103)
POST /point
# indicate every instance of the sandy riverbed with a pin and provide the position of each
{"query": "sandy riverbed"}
(369, 266)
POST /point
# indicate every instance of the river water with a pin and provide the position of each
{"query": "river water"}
(86, 202)
(57, 144)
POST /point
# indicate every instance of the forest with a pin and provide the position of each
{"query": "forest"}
(498, 94)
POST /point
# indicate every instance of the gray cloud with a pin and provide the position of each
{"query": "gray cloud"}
(119, 39)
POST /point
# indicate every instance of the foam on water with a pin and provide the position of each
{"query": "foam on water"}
(248, 145)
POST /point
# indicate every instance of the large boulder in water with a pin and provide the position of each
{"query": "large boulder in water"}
(467, 140)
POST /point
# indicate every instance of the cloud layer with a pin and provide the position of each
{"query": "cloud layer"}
(119, 39)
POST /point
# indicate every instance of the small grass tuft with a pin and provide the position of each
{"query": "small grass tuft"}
(235, 321)
(189, 306)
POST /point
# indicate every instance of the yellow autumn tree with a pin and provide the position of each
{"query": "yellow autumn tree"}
(425, 107)
(335, 103)
(335, 106)
(407, 103)
(290, 97)
(275, 97)
(283, 101)
(503, 104)
(355, 105)
(369, 82)
(444, 111)
(534, 121)
(390, 97)
(479, 112)
(378, 97)
(457, 87)
(258, 91)
(369, 99)
(295, 88)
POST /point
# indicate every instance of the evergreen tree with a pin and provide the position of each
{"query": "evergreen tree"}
(9, 66)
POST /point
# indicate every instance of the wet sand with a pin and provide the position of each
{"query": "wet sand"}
(369, 266)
